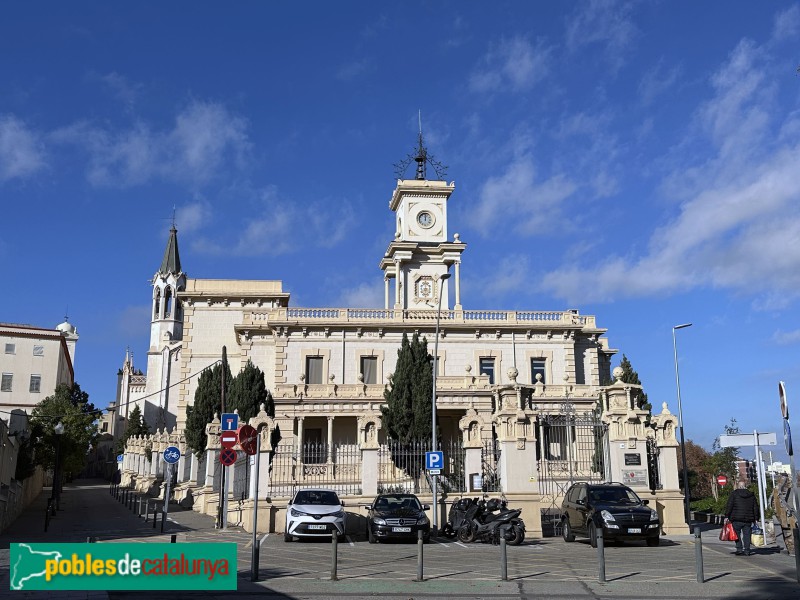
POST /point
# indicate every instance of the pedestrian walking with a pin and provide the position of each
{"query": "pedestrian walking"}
(742, 511)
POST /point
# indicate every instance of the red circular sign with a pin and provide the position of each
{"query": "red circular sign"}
(227, 457)
(228, 439)
(248, 438)
(722, 480)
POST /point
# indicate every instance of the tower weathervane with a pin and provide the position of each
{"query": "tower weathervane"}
(422, 158)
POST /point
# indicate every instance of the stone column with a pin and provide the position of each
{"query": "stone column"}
(193, 465)
(386, 292)
(368, 427)
(458, 286)
(397, 303)
(472, 426)
(329, 458)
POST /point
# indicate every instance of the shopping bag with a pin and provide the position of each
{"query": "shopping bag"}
(723, 533)
(732, 537)
(757, 537)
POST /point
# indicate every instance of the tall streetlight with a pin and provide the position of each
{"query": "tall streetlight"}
(443, 278)
(680, 425)
(59, 431)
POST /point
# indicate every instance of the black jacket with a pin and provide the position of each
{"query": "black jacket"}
(742, 506)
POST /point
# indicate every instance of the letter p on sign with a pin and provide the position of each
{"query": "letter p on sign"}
(434, 460)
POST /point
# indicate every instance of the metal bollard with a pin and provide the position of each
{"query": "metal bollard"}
(155, 517)
(334, 554)
(163, 518)
(601, 556)
(503, 559)
(173, 539)
(147, 510)
(420, 564)
(255, 560)
(698, 555)
(91, 540)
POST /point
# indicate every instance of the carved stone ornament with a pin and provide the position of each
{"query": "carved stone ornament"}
(368, 427)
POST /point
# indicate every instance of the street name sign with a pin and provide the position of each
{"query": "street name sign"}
(747, 439)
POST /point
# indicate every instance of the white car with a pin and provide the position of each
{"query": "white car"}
(314, 513)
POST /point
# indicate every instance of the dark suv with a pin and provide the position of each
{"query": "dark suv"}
(612, 506)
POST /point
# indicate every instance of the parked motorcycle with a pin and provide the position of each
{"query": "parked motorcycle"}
(457, 517)
(490, 521)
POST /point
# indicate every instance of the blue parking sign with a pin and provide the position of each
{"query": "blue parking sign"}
(434, 460)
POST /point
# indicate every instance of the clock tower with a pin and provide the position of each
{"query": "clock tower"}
(420, 252)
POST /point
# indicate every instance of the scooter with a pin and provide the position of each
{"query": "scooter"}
(457, 517)
(487, 525)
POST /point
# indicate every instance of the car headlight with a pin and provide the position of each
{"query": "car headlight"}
(297, 513)
(379, 521)
(423, 520)
(653, 514)
(607, 516)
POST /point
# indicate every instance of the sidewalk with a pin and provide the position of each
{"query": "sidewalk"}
(540, 568)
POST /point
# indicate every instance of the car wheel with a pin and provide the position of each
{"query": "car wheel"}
(653, 541)
(566, 531)
(518, 536)
(593, 535)
(371, 536)
(466, 535)
(287, 537)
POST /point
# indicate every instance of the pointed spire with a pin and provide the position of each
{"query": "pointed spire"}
(172, 260)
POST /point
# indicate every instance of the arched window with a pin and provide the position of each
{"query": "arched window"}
(167, 302)
(178, 310)
(156, 303)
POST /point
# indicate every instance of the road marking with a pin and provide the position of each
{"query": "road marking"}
(460, 544)
(441, 543)
(263, 539)
(349, 539)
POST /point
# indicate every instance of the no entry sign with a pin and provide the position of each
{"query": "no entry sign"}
(228, 439)
(722, 480)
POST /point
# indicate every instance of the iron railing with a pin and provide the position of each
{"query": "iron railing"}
(336, 466)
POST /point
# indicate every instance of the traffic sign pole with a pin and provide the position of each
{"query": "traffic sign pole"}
(254, 557)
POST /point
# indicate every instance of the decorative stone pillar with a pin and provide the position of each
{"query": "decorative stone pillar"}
(626, 433)
(368, 427)
(665, 426)
(213, 431)
(472, 426)
(265, 425)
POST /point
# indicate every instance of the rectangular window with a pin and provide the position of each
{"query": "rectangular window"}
(314, 369)
(5, 383)
(36, 383)
(369, 369)
(105, 426)
(537, 368)
(38, 350)
(11, 348)
(487, 368)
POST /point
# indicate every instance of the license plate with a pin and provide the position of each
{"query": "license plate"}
(317, 526)
(401, 529)
(636, 530)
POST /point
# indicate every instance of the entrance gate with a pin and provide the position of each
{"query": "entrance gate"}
(571, 447)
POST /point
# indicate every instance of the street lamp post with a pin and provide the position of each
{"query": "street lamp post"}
(680, 426)
(59, 431)
(443, 278)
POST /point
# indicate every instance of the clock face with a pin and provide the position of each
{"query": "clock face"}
(425, 289)
(425, 219)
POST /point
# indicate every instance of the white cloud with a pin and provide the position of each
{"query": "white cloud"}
(125, 91)
(604, 22)
(273, 229)
(364, 295)
(204, 140)
(511, 274)
(513, 64)
(21, 149)
(738, 228)
(193, 216)
(656, 81)
(517, 192)
(354, 69)
(787, 24)
(786, 338)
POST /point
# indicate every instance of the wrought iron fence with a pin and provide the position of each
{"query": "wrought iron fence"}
(337, 467)
(572, 447)
(241, 477)
(490, 457)
(452, 480)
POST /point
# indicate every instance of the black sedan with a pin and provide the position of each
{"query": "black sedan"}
(397, 517)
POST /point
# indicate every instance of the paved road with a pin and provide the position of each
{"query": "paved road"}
(540, 568)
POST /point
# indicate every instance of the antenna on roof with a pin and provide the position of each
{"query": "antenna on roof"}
(173, 217)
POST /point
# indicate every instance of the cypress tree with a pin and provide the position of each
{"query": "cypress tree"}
(136, 426)
(407, 413)
(207, 401)
(631, 376)
(247, 392)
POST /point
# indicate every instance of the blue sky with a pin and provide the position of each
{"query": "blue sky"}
(637, 161)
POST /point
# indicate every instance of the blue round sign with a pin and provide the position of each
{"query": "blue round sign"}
(120, 457)
(172, 455)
